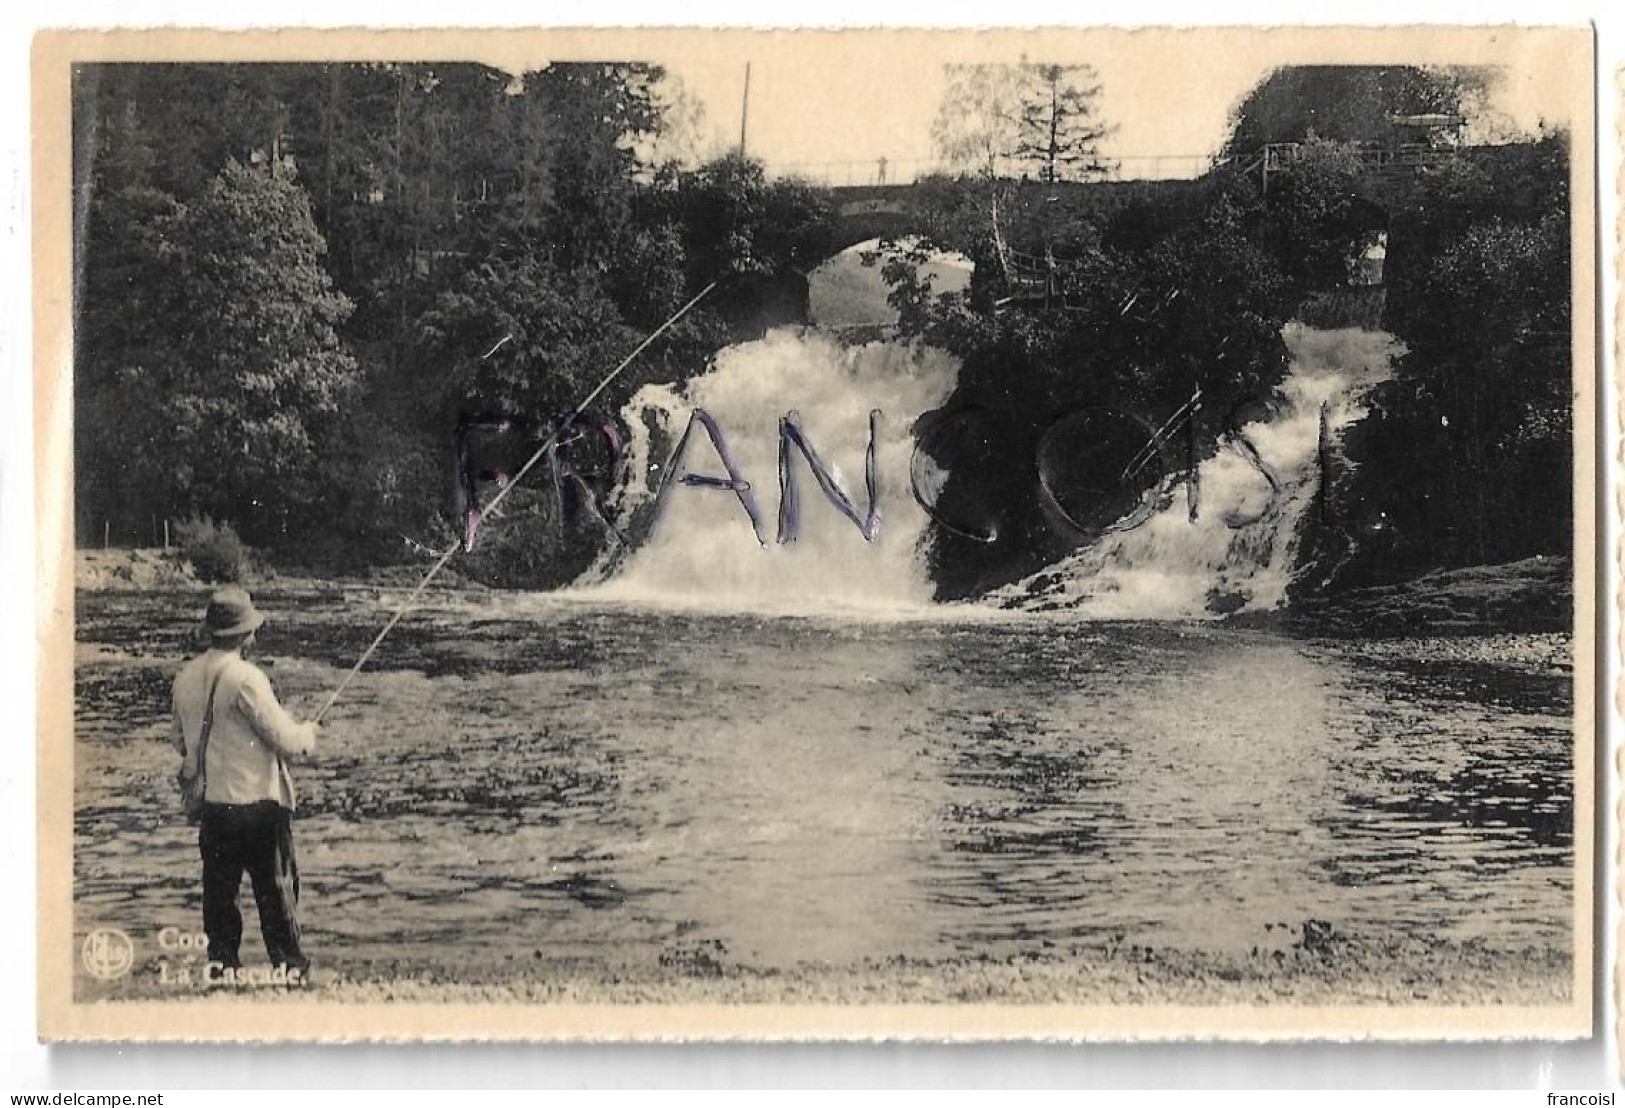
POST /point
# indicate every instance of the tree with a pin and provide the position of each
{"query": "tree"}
(172, 127)
(1491, 368)
(1314, 217)
(1347, 103)
(460, 203)
(592, 119)
(222, 391)
(735, 221)
(682, 138)
(558, 335)
(1466, 455)
(977, 123)
(1059, 128)
(127, 299)
(269, 373)
(997, 118)
(1135, 326)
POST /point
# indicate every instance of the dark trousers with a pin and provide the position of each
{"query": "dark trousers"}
(257, 838)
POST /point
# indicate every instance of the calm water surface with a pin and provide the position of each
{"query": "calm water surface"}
(524, 775)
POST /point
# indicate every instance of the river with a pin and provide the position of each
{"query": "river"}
(723, 754)
(523, 777)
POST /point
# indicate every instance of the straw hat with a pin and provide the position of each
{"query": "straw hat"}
(231, 612)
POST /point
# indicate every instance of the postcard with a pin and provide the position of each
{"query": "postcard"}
(1065, 533)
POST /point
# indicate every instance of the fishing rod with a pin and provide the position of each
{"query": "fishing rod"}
(502, 493)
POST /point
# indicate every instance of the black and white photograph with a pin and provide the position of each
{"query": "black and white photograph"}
(757, 534)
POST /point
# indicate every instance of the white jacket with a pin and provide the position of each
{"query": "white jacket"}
(251, 729)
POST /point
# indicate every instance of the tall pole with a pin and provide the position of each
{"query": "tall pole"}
(744, 112)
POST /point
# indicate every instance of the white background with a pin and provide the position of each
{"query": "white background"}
(26, 1066)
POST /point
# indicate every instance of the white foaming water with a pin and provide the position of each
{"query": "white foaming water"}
(702, 551)
(1237, 555)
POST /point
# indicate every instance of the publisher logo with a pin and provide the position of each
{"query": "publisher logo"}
(108, 953)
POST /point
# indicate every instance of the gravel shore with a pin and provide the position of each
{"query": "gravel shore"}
(1329, 970)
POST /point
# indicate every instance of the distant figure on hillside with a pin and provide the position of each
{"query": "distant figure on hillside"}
(882, 170)
(248, 796)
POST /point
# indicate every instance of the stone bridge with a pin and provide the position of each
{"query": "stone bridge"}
(864, 212)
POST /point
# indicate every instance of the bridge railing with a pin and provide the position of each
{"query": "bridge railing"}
(903, 171)
(1281, 156)
(1274, 157)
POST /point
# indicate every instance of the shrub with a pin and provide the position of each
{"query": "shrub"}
(215, 551)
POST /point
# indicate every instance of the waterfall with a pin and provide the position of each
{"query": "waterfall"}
(702, 548)
(1237, 554)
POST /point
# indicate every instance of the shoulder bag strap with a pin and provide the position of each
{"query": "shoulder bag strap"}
(208, 721)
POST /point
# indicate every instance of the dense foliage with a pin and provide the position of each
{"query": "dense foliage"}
(214, 550)
(1467, 455)
(1348, 103)
(295, 280)
(1136, 296)
(210, 372)
(1023, 119)
(1148, 303)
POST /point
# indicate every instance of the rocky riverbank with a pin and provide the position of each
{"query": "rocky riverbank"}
(105, 570)
(1534, 595)
(154, 568)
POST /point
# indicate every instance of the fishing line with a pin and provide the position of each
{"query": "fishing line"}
(502, 493)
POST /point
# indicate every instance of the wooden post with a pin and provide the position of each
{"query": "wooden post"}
(166, 532)
(107, 532)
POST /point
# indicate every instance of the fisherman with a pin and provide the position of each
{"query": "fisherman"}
(248, 794)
